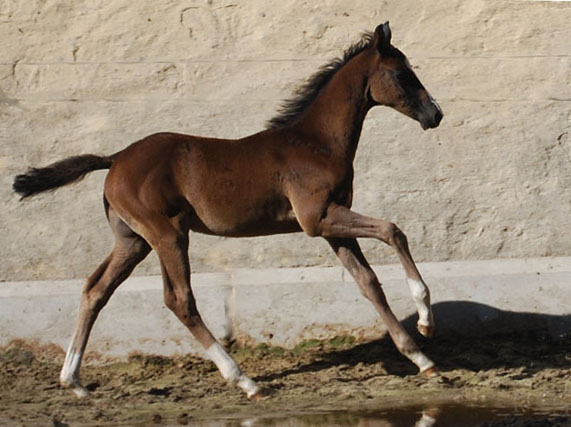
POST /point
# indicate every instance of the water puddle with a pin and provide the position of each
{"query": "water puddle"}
(442, 416)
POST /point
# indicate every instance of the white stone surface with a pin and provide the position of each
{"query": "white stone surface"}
(92, 76)
(286, 306)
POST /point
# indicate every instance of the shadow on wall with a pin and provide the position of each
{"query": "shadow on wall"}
(471, 336)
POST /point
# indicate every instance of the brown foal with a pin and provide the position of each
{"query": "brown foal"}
(294, 176)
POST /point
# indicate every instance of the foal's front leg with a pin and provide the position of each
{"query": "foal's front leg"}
(341, 226)
(350, 254)
(341, 222)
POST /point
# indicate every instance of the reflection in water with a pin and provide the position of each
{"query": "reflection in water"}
(446, 415)
(428, 418)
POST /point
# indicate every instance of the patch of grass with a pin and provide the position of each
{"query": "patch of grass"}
(343, 341)
(306, 345)
(272, 350)
(260, 350)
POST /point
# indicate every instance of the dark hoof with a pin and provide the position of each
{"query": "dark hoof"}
(262, 394)
(431, 372)
(426, 331)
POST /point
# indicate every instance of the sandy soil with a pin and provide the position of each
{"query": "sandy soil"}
(520, 371)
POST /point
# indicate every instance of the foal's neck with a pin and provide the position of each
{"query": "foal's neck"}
(336, 116)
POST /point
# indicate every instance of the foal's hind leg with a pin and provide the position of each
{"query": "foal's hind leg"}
(172, 247)
(129, 250)
(350, 254)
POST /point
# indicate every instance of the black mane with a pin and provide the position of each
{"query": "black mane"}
(291, 109)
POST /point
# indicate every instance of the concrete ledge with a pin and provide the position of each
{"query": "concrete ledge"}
(285, 306)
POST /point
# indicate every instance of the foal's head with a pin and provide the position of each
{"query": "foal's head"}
(394, 84)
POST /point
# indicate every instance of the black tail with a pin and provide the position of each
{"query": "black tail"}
(66, 171)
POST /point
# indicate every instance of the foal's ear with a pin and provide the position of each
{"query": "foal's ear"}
(382, 37)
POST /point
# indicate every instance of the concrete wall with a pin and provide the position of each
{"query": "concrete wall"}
(286, 306)
(94, 76)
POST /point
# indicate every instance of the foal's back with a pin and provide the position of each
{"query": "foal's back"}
(216, 186)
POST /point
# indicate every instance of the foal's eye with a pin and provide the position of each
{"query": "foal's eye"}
(408, 80)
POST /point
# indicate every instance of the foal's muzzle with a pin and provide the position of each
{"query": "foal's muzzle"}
(431, 115)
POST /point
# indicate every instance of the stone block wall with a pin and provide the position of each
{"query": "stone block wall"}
(492, 181)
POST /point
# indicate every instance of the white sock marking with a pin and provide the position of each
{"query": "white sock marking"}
(70, 369)
(421, 297)
(420, 360)
(230, 370)
(69, 375)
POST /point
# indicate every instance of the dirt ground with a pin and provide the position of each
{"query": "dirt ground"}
(526, 372)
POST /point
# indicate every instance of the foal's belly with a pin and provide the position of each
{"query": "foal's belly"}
(243, 219)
